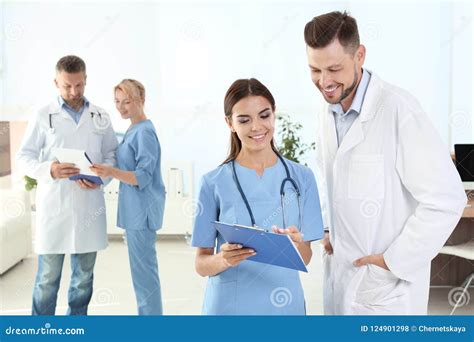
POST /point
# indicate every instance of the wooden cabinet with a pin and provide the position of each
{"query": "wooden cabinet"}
(451, 270)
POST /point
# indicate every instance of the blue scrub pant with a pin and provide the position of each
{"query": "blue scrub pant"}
(48, 277)
(144, 268)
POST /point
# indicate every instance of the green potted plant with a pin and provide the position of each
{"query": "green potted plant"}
(290, 145)
(30, 185)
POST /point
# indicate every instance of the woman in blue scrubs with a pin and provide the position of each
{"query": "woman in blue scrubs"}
(237, 286)
(141, 196)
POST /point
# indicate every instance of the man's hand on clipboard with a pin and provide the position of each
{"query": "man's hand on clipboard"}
(63, 170)
(85, 184)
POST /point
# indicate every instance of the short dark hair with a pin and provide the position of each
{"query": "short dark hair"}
(71, 64)
(323, 29)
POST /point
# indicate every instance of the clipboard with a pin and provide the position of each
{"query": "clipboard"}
(81, 160)
(272, 248)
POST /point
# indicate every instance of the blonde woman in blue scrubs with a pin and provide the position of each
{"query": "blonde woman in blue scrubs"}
(237, 286)
(141, 196)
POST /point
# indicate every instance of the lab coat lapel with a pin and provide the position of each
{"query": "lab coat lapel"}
(370, 106)
(54, 108)
(354, 136)
(85, 117)
(56, 114)
(331, 135)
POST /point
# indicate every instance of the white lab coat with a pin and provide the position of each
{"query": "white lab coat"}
(391, 188)
(69, 219)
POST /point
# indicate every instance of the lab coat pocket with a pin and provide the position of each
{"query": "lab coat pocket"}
(380, 287)
(95, 142)
(95, 201)
(220, 298)
(381, 272)
(49, 199)
(366, 176)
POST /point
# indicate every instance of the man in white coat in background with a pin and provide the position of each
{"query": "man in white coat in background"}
(393, 194)
(70, 215)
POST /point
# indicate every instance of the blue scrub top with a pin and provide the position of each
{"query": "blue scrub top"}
(141, 206)
(253, 288)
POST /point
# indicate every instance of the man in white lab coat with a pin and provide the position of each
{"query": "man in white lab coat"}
(393, 195)
(70, 215)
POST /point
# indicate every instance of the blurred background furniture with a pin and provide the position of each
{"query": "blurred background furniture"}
(180, 205)
(15, 227)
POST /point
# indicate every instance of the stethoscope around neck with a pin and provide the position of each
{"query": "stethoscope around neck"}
(53, 130)
(282, 193)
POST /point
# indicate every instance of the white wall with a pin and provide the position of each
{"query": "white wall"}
(187, 54)
(459, 44)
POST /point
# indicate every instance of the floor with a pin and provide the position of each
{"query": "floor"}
(182, 288)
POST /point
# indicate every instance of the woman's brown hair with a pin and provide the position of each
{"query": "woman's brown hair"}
(239, 90)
